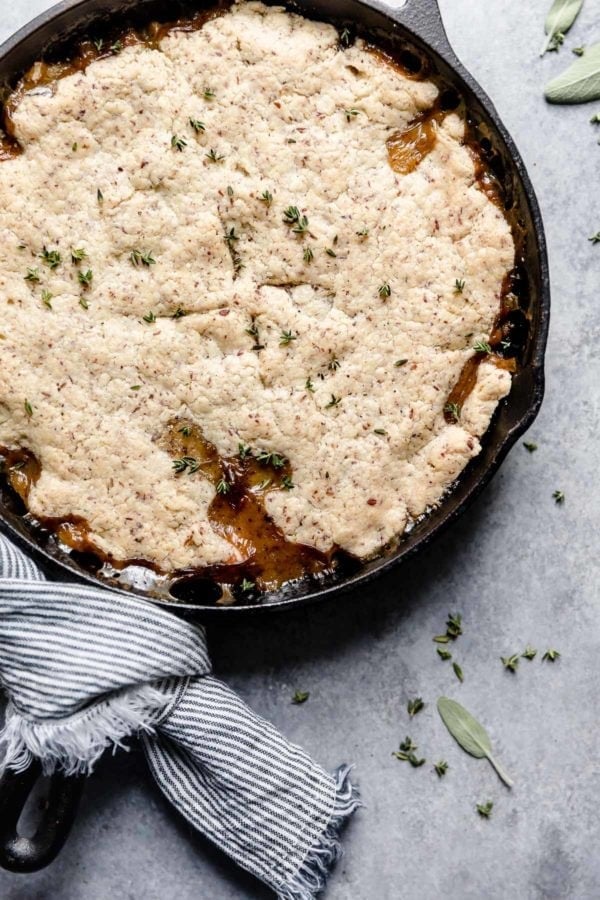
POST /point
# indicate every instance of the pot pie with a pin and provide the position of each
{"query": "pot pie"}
(250, 277)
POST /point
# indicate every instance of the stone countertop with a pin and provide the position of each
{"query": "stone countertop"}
(520, 569)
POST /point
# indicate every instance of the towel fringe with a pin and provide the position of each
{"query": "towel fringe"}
(311, 878)
(74, 744)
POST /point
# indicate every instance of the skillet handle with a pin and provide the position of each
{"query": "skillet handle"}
(423, 18)
(23, 854)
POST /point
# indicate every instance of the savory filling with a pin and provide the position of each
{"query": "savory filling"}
(249, 278)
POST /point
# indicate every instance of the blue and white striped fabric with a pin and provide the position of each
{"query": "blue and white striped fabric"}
(85, 668)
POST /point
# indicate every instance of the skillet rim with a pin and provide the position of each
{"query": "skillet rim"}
(423, 24)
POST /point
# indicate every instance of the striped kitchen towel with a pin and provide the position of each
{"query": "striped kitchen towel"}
(85, 668)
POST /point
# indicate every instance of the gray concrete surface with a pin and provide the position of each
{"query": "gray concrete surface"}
(520, 568)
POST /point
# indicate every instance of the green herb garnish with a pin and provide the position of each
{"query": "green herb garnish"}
(266, 197)
(530, 446)
(46, 299)
(83, 303)
(142, 258)
(85, 278)
(335, 401)
(309, 386)
(268, 458)
(363, 233)
(178, 143)
(380, 431)
(33, 275)
(150, 317)
(350, 114)
(550, 655)
(529, 652)
(247, 585)
(197, 125)
(468, 733)
(185, 430)
(453, 411)
(188, 463)
(208, 94)
(443, 654)
(454, 625)
(384, 291)
(286, 338)
(100, 196)
(482, 347)
(244, 450)
(399, 363)
(213, 156)
(179, 313)
(292, 216)
(286, 483)
(459, 285)
(595, 238)
(558, 496)
(330, 252)
(485, 809)
(441, 768)
(308, 255)
(223, 486)
(77, 254)
(50, 258)
(28, 408)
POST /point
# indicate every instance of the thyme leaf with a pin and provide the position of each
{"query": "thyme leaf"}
(415, 706)
(300, 697)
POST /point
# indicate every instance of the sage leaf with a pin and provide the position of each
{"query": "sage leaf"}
(580, 83)
(560, 18)
(469, 733)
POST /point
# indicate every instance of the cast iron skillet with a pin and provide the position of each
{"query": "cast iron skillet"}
(417, 26)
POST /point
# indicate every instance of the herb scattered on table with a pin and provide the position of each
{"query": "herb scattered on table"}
(77, 254)
(558, 496)
(530, 446)
(459, 286)
(266, 197)
(581, 81)
(385, 291)
(142, 258)
(300, 697)
(186, 463)
(287, 337)
(443, 654)
(595, 238)
(529, 652)
(485, 809)
(197, 125)
(469, 733)
(213, 156)
(510, 662)
(33, 275)
(406, 753)
(85, 278)
(414, 706)
(292, 216)
(441, 768)
(561, 17)
(550, 655)
(458, 671)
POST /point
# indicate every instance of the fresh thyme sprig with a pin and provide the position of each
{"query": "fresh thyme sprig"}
(178, 143)
(213, 156)
(510, 663)
(441, 768)
(550, 656)
(286, 338)
(47, 299)
(308, 255)
(459, 286)
(485, 809)
(286, 483)
(529, 652)
(266, 197)
(78, 254)
(385, 291)
(197, 125)
(223, 486)
(300, 697)
(530, 446)
(142, 258)
(33, 275)
(85, 278)
(559, 497)
(292, 216)
(51, 258)
(453, 410)
(351, 113)
(186, 463)
(269, 458)
(482, 347)
(150, 317)
(415, 706)
(335, 401)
